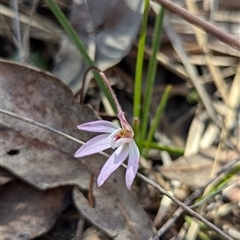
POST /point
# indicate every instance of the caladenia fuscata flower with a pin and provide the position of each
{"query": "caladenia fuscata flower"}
(112, 136)
(115, 137)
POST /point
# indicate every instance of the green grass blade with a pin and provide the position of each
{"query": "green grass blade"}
(139, 70)
(151, 72)
(158, 115)
(80, 46)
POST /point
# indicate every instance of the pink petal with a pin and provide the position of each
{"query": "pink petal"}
(98, 126)
(115, 160)
(133, 160)
(94, 145)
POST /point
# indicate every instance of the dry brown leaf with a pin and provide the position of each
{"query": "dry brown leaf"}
(194, 170)
(124, 220)
(27, 213)
(43, 98)
(41, 164)
(108, 30)
(45, 159)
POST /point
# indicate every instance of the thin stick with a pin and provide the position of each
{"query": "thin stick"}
(186, 208)
(199, 22)
(28, 120)
(152, 183)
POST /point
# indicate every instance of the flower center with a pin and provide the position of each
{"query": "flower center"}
(124, 133)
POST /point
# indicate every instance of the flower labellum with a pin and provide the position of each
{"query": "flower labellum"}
(119, 138)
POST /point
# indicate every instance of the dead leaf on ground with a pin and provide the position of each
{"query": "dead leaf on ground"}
(195, 170)
(41, 97)
(124, 220)
(27, 213)
(45, 159)
(108, 30)
(41, 164)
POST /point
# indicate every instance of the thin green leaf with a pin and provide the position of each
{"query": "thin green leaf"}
(158, 115)
(151, 72)
(139, 70)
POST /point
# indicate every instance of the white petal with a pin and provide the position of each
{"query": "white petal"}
(94, 145)
(98, 126)
(122, 141)
(133, 161)
(115, 160)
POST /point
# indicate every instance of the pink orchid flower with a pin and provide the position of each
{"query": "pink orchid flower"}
(112, 136)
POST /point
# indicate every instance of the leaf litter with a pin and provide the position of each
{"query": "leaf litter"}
(195, 173)
(60, 145)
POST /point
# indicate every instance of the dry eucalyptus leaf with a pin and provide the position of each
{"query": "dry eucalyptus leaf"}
(41, 164)
(107, 29)
(43, 98)
(5, 176)
(44, 159)
(27, 213)
(194, 170)
(125, 219)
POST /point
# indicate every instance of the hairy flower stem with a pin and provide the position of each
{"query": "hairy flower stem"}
(105, 80)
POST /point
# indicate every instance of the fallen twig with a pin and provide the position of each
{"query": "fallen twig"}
(199, 22)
